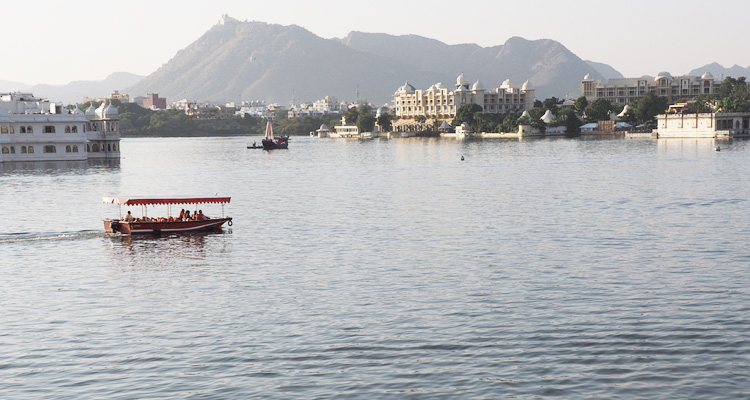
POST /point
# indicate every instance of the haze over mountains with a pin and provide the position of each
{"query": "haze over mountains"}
(254, 60)
(75, 91)
(237, 60)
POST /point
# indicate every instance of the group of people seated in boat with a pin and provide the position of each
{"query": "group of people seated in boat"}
(184, 216)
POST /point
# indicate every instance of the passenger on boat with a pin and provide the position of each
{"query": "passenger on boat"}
(182, 214)
(187, 215)
(200, 215)
(128, 217)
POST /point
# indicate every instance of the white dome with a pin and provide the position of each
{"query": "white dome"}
(477, 85)
(110, 111)
(527, 85)
(707, 75)
(461, 80)
(506, 84)
(439, 85)
(407, 88)
(587, 77)
(91, 111)
(77, 111)
(663, 74)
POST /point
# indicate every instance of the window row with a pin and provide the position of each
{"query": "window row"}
(28, 129)
(91, 148)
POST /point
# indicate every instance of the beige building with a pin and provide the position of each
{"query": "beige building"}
(703, 125)
(442, 103)
(629, 90)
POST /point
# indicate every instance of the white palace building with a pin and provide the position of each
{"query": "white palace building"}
(34, 129)
(442, 103)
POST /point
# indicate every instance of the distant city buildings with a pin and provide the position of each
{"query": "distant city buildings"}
(35, 129)
(123, 98)
(153, 101)
(629, 90)
(442, 103)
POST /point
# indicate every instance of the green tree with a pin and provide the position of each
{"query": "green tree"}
(649, 106)
(466, 114)
(351, 114)
(509, 123)
(581, 104)
(552, 104)
(599, 110)
(385, 122)
(567, 117)
(734, 95)
(365, 122)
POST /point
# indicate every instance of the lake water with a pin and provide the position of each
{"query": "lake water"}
(552, 268)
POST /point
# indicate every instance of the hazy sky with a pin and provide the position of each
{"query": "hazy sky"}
(57, 42)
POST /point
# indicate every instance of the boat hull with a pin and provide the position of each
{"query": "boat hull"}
(273, 144)
(134, 228)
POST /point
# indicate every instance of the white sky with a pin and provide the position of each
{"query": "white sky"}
(56, 42)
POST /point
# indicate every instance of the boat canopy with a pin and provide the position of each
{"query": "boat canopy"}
(164, 200)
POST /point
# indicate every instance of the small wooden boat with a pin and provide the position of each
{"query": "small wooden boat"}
(272, 143)
(128, 225)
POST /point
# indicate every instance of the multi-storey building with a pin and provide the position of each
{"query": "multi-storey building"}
(34, 129)
(442, 103)
(629, 90)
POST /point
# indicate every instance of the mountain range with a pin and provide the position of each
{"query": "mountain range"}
(719, 72)
(250, 60)
(255, 60)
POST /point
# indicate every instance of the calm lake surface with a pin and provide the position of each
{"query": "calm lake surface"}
(551, 268)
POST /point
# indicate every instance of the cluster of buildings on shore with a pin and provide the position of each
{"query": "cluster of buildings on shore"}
(33, 129)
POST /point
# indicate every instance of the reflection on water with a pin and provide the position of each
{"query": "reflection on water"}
(167, 249)
(56, 167)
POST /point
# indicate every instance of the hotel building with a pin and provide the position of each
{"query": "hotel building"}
(442, 103)
(629, 90)
(34, 129)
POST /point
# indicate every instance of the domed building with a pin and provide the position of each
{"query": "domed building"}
(629, 90)
(35, 129)
(440, 103)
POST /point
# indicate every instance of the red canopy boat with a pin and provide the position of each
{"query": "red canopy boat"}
(128, 224)
(270, 142)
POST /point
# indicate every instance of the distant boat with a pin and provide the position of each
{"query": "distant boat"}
(272, 143)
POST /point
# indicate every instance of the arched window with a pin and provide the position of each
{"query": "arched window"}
(23, 129)
(49, 129)
(95, 148)
(12, 129)
(12, 150)
(75, 148)
(23, 149)
(49, 149)
(67, 128)
(31, 149)
(74, 129)
(68, 149)
(3, 129)
(114, 147)
(109, 147)
(6, 150)
(29, 129)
